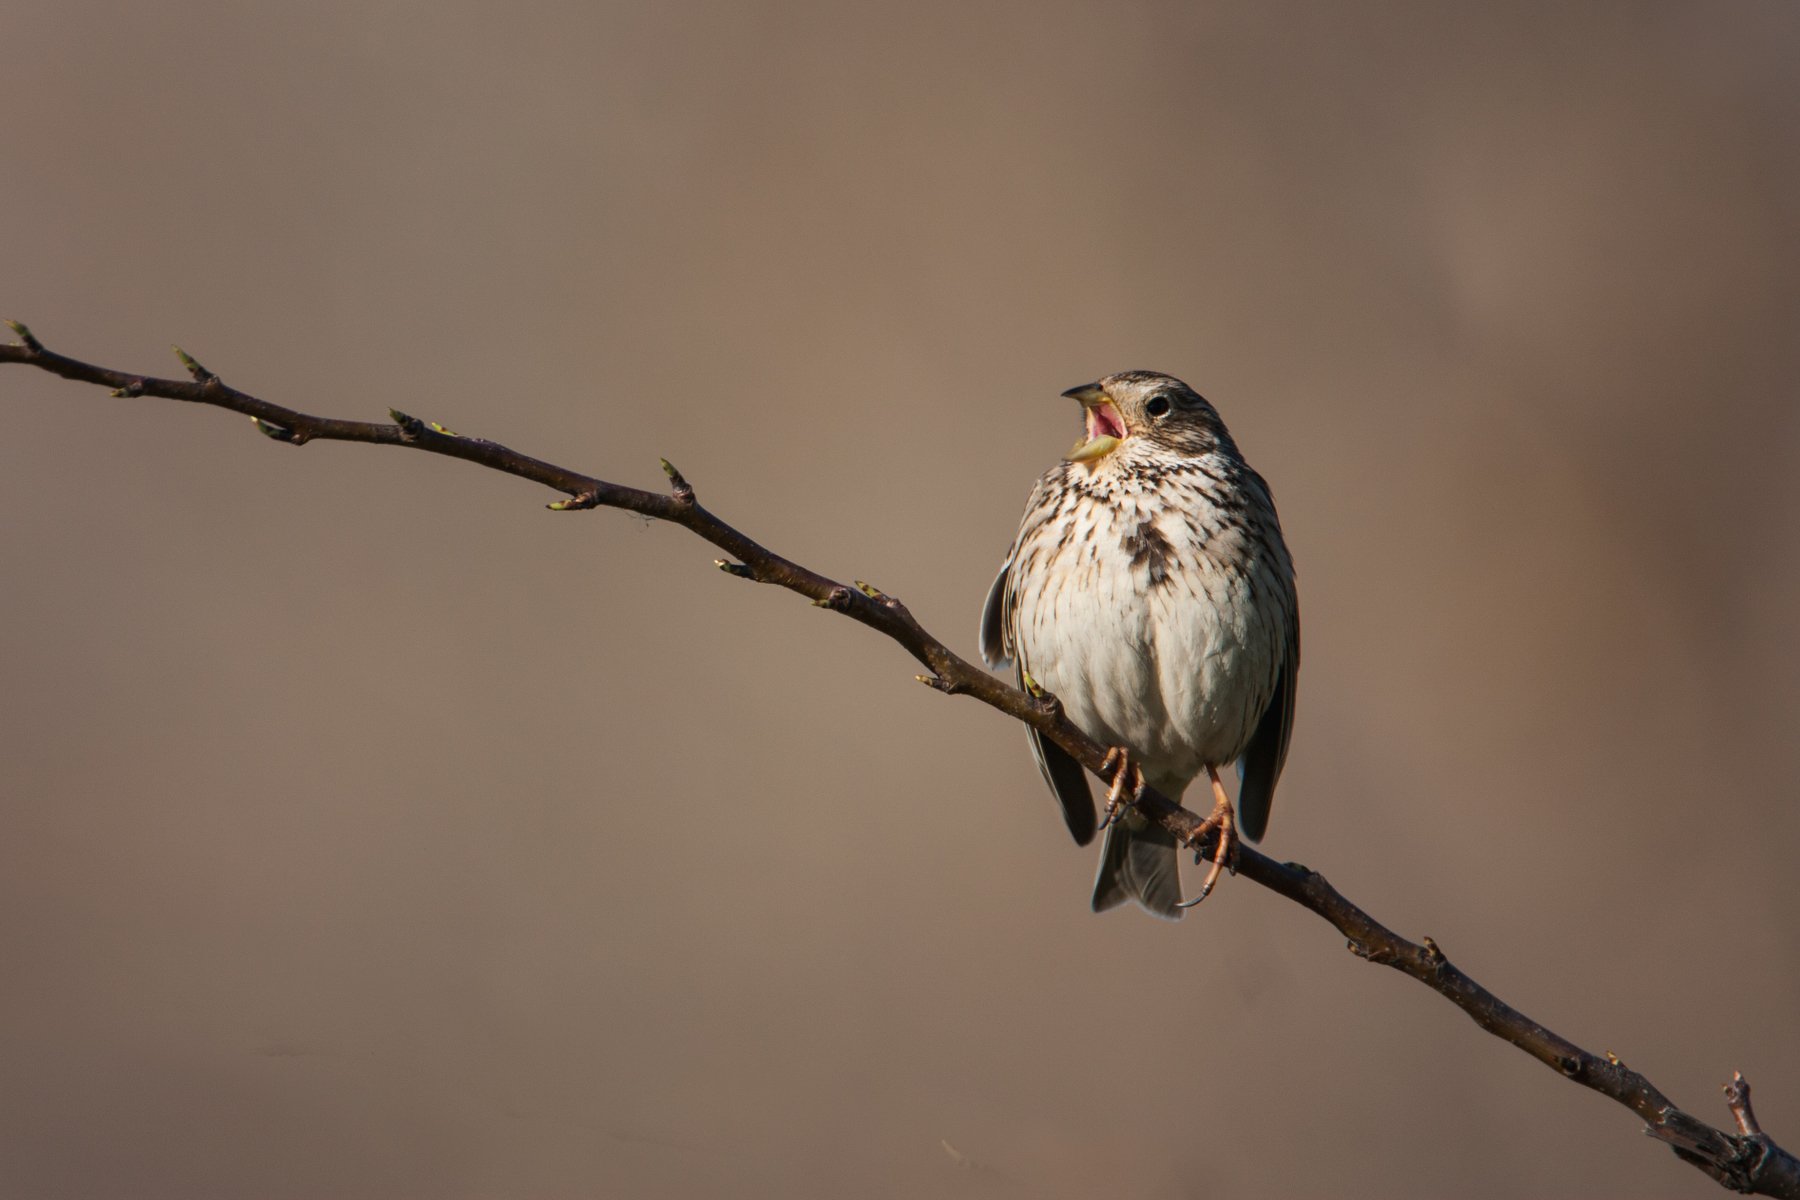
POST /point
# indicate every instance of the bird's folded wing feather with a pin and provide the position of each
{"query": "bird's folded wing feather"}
(994, 648)
(1068, 782)
(1261, 765)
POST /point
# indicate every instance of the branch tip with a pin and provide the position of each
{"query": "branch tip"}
(200, 373)
(736, 570)
(27, 338)
(938, 683)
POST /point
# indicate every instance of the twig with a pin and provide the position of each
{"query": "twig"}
(1748, 1161)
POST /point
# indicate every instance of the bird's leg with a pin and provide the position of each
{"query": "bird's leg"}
(1225, 850)
(1118, 761)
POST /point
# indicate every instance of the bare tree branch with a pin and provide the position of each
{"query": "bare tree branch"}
(1747, 1161)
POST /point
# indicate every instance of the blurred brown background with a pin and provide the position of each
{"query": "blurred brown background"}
(335, 851)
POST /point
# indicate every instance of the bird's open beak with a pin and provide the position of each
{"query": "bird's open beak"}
(1105, 428)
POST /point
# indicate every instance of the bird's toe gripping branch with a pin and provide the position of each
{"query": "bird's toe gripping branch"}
(1221, 822)
(1127, 776)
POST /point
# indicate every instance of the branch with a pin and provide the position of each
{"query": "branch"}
(1747, 1161)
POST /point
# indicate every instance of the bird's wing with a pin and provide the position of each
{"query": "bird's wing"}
(1068, 782)
(998, 642)
(1261, 765)
(994, 648)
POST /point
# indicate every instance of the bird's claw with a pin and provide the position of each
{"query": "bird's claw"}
(1225, 848)
(1118, 761)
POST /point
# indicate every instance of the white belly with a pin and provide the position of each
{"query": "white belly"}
(1175, 664)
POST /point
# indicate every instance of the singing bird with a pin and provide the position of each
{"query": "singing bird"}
(1149, 589)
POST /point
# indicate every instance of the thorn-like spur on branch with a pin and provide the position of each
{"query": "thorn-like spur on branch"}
(413, 430)
(271, 430)
(1050, 709)
(1756, 1163)
(410, 427)
(26, 338)
(1737, 1099)
(1748, 1161)
(200, 373)
(682, 489)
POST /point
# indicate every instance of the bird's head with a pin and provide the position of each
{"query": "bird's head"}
(1158, 410)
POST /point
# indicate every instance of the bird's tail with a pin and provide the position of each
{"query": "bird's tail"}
(1138, 863)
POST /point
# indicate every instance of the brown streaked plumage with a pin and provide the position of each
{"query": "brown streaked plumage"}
(1150, 590)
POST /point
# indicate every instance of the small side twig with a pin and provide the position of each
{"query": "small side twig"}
(1737, 1099)
(681, 488)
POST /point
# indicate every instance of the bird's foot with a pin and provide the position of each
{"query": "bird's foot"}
(1223, 821)
(1127, 776)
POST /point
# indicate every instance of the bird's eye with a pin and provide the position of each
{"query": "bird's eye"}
(1158, 406)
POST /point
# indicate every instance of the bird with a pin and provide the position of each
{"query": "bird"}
(1150, 590)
